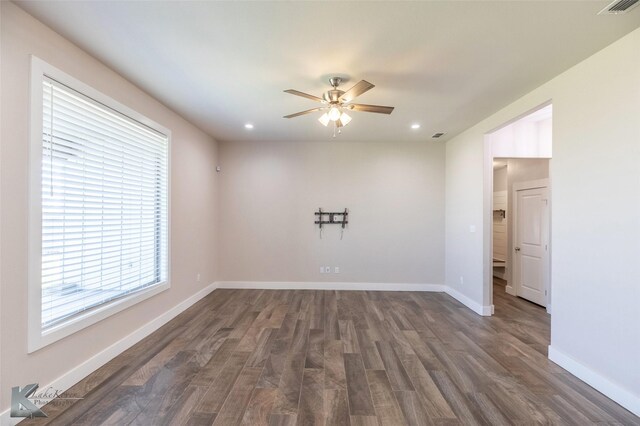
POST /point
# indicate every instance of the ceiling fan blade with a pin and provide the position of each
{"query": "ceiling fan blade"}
(371, 108)
(309, 111)
(304, 95)
(357, 90)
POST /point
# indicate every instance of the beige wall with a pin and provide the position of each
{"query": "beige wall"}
(394, 193)
(594, 251)
(193, 202)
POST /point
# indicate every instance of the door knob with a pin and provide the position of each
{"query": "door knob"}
(517, 248)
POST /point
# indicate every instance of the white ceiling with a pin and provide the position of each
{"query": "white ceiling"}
(443, 64)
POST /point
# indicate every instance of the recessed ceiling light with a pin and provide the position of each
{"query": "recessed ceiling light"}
(248, 126)
(415, 126)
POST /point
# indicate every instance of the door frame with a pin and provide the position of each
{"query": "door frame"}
(487, 216)
(514, 287)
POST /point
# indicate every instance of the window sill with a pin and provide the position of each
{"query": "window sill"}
(39, 339)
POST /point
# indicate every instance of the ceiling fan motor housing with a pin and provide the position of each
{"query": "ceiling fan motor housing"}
(332, 96)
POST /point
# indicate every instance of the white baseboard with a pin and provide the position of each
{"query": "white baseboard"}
(308, 285)
(484, 310)
(290, 285)
(620, 395)
(510, 290)
(78, 373)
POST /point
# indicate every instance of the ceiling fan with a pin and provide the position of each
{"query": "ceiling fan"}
(337, 102)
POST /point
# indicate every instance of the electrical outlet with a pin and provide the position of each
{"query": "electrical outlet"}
(322, 269)
(336, 270)
(327, 269)
(198, 278)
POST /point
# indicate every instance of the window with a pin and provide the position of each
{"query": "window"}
(102, 201)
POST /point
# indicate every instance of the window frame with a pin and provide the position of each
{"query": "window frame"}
(37, 337)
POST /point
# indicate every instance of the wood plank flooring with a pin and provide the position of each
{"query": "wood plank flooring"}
(293, 357)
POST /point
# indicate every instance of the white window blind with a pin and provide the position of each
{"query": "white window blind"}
(104, 205)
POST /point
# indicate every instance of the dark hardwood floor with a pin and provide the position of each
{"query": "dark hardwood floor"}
(288, 357)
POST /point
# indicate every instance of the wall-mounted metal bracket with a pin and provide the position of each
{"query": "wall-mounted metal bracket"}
(332, 218)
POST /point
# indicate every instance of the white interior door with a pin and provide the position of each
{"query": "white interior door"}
(531, 244)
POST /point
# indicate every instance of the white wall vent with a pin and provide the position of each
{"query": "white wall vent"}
(619, 6)
(440, 134)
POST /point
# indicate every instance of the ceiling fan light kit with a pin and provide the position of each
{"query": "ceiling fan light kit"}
(324, 119)
(345, 118)
(334, 113)
(336, 101)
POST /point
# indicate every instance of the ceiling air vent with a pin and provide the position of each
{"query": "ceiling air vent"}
(437, 135)
(619, 6)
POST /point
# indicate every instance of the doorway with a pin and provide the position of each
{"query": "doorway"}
(517, 194)
(520, 236)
